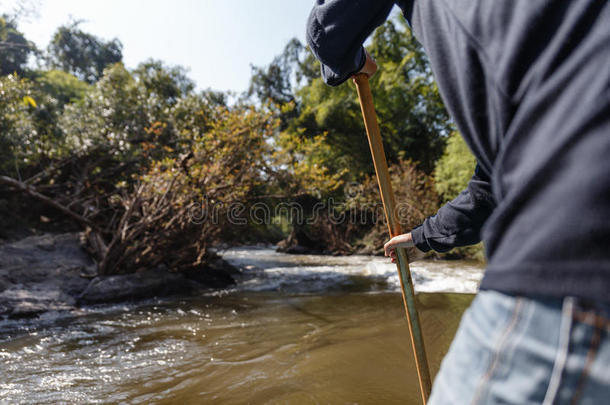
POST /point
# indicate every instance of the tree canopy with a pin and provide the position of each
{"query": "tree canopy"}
(82, 54)
(135, 156)
(412, 117)
(15, 49)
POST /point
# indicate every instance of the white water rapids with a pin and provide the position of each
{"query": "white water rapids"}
(267, 270)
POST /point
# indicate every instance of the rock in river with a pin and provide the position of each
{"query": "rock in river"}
(53, 272)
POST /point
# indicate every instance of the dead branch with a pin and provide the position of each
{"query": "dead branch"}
(31, 191)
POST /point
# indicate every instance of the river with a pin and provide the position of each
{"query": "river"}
(297, 329)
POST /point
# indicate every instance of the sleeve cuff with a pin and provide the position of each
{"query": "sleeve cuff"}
(417, 234)
(333, 78)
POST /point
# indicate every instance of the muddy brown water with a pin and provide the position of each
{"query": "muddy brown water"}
(322, 345)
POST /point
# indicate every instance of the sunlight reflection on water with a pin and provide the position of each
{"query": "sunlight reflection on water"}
(296, 329)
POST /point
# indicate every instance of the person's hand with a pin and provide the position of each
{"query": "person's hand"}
(402, 241)
(370, 66)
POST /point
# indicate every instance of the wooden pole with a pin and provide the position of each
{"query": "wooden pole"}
(389, 206)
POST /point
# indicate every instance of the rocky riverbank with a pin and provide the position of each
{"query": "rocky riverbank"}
(53, 273)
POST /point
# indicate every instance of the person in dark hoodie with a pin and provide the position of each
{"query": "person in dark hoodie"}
(527, 83)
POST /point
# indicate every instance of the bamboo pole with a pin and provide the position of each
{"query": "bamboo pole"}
(389, 207)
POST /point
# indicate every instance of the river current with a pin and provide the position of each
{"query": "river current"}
(296, 329)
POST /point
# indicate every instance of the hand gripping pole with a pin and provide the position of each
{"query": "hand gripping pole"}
(389, 206)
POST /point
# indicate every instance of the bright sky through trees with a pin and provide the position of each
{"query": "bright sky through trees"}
(217, 40)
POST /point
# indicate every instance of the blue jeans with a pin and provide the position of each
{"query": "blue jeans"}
(519, 350)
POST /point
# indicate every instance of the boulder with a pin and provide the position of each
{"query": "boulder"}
(53, 272)
(20, 301)
(216, 274)
(41, 273)
(49, 250)
(146, 284)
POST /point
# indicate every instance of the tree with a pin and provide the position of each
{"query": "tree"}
(17, 132)
(178, 208)
(274, 85)
(164, 83)
(82, 54)
(411, 113)
(451, 175)
(413, 120)
(63, 87)
(321, 143)
(29, 115)
(14, 48)
(113, 115)
(276, 82)
(454, 169)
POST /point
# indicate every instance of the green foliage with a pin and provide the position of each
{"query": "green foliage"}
(135, 151)
(275, 83)
(413, 120)
(163, 82)
(300, 164)
(82, 54)
(181, 205)
(112, 114)
(334, 111)
(14, 48)
(137, 117)
(17, 131)
(39, 138)
(454, 169)
(355, 221)
(323, 142)
(412, 117)
(63, 87)
(230, 156)
(451, 175)
(29, 115)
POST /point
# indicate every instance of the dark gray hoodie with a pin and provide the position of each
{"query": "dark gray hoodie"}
(528, 85)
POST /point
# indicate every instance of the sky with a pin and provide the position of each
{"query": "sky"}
(216, 40)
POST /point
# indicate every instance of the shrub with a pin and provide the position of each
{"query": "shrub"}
(17, 130)
(357, 222)
(177, 209)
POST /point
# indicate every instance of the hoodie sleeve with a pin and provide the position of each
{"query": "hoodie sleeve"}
(459, 222)
(336, 30)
